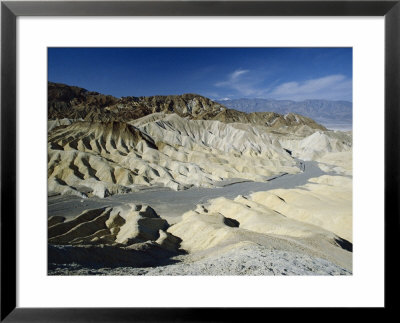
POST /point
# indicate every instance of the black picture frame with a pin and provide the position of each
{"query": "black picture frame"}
(10, 10)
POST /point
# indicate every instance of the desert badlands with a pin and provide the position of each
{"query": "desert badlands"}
(182, 185)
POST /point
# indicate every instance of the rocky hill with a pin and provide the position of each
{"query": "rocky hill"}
(102, 159)
(74, 103)
(71, 102)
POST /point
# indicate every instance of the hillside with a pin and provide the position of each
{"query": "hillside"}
(101, 159)
(74, 103)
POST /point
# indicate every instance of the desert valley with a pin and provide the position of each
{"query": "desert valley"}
(183, 185)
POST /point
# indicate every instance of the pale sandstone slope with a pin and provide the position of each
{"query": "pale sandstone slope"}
(125, 225)
(325, 202)
(314, 219)
(296, 231)
(338, 162)
(92, 158)
(318, 144)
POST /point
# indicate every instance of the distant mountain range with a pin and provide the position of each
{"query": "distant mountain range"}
(322, 111)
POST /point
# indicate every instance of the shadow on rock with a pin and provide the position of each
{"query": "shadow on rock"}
(148, 254)
(344, 244)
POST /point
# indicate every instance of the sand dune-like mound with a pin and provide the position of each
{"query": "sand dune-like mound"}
(338, 162)
(101, 159)
(314, 219)
(204, 235)
(316, 145)
(325, 202)
(129, 235)
(125, 225)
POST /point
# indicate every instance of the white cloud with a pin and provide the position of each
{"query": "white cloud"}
(236, 82)
(233, 79)
(237, 73)
(331, 87)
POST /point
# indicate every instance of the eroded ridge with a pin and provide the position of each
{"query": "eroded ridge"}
(130, 235)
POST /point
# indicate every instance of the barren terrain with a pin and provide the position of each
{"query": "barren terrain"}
(184, 186)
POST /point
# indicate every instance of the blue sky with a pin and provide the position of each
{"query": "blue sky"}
(217, 73)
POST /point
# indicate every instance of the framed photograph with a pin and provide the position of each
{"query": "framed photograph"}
(183, 160)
